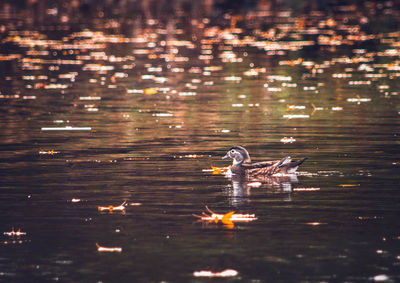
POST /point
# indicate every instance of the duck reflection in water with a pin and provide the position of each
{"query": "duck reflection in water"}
(279, 174)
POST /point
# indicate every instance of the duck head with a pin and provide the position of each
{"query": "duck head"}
(239, 155)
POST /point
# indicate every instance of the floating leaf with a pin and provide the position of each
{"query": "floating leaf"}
(211, 274)
(150, 91)
(349, 185)
(49, 152)
(218, 170)
(215, 217)
(296, 116)
(293, 107)
(226, 219)
(315, 223)
(13, 233)
(305, 189)
(111, 208)
(288, 140)
(66, 128)
(108, 249)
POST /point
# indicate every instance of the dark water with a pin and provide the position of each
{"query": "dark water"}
(164, 91)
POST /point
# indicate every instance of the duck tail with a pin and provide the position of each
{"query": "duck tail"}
(294, 165)
(298, 163)
(283, 162)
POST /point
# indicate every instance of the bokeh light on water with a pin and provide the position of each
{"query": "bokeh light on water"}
(113, 114)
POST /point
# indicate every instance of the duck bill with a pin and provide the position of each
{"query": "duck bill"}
(226, 156)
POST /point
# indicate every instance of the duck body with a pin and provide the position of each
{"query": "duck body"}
(243, 166)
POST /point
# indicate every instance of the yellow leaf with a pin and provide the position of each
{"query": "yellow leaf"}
(216, 171)
(150, 91)
(226, 219)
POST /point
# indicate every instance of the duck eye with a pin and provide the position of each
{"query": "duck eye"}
(232, 151)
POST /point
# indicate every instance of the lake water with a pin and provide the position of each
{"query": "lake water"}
(103, 104)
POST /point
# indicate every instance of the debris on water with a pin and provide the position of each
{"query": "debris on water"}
(315, 223)
(150, 91)
(359, 83)
(309, 88)
(227, 218)
(305, 189)
(66, 128)
(130, 91)
(274, 89)
(237, 105)
(288, 140)
(55, 86)
(342, 75)
(108, 249)
(380, 278)
(369, 217)
(296, 116)
(293, 85)
(251, 73)
(218, 170)
(233, 79)
(349, 185)
(89, 98)
(253, 104)
(163, 114)
(92, 109)
(9, 96)
(358, 99)
(193, 156)
(48, 152)
(280, 78)
(13, 233)
(211, 274)
(112, 208)
(293, 107)
(315, 108)
(26, 97)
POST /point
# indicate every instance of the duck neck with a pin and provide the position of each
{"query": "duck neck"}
(237, 167)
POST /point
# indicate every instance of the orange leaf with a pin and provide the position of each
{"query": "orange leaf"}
(226, 219)
(150, 91)
(216, 171)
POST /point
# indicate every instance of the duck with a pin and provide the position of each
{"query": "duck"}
(242, 165)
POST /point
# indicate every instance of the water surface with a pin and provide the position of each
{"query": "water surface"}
(156, 100)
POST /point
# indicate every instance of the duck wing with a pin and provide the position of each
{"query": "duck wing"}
(268, 168)
(265, 168)
(259, 164)
(291, 166)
